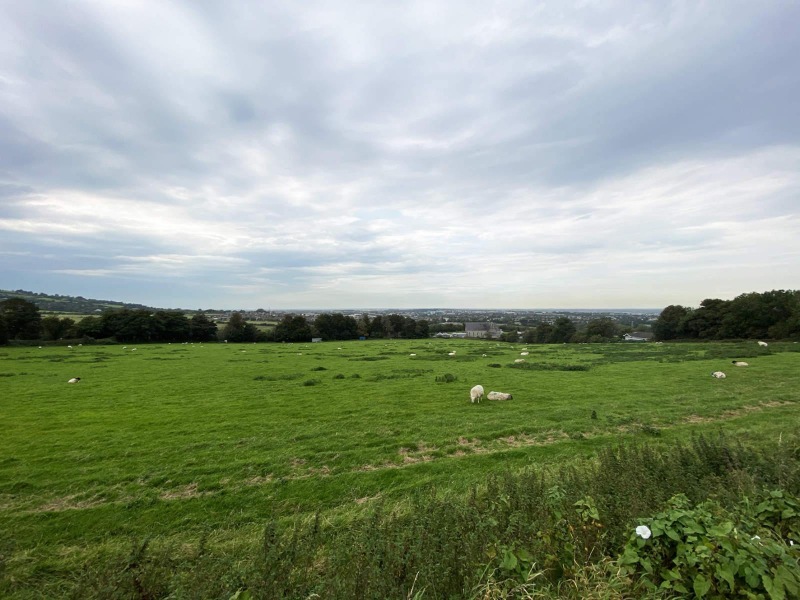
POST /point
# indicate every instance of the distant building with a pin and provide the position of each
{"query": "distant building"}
(482, 330)
(638, 336)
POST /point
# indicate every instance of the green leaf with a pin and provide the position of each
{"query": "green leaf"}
(774, 589)
(725, 574)
(721, 530)
(673, 535)
(701, 585)
(509, 561)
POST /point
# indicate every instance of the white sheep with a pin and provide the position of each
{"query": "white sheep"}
(718, 375)
(412, 354)
(524, 353)
(453, 353)
(519, 360)
(763, 344)
(740, 363)
(74, 380)
(499, 396)
(476, 393)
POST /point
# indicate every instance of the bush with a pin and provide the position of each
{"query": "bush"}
(446, 378)
(713, 553)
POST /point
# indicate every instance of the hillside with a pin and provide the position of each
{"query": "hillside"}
(67, 304)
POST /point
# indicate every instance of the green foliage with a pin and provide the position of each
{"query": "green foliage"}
(293, 328)
(713, 553)
(21, 319)
(774, 314)
(446, 378)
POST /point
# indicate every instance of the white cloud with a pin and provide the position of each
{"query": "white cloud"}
(469, 154)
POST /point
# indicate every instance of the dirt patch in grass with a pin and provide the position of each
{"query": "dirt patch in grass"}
(367, 499)
(183, 493)
(737, 412)
(69, 503)
(258, 480)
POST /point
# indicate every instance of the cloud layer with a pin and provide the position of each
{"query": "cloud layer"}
(361, 154)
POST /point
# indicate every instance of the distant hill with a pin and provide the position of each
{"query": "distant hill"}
(68, 304)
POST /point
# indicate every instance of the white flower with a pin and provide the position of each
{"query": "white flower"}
(643, 531)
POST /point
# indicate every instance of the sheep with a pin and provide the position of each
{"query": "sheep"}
(739, 363)
(519, 360)
(499, 396)
(412, 354)
(74, 380)
(524, 353)
(453, 353)
(718, 375)
(763, 344)
(476, 393)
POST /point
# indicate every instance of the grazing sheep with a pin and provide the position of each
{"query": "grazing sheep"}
(763, 344)
(718, 375)
(499, 396)
(740, 363)
(524, 353)
(476, 393)
(453, 353)
(74, 380)
(412, 354)
(519, 360)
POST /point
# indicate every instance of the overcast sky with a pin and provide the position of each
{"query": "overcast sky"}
(400, 154)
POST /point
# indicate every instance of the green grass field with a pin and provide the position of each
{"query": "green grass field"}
(184, 441)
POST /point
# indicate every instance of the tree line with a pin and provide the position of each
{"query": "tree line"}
(774, 315)
(20, 319)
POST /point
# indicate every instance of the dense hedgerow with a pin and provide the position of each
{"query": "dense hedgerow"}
(535, 533)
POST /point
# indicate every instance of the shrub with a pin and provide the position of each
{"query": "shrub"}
(310, 382)
(712, 553)
(446, 378)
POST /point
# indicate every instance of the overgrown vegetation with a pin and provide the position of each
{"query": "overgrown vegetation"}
(535, 533)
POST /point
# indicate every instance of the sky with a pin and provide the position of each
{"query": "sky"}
(367, 154)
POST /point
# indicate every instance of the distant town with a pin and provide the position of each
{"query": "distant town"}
(442, 320)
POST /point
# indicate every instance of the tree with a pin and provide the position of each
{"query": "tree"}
(3, 331)
(363, 325)
(22, 319)
(422, 329)
(563, 330)
(239, 330)
(668, 324)
(393, 324)
(706, 321)
(376, 328)
(544, 333)
(91, 327)
(752, 315)
(293, 328)
(604, 328)
(201, 328)
(54, 328)
(336, 327)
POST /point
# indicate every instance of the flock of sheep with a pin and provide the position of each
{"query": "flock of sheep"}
(477, 392)
(736, 363)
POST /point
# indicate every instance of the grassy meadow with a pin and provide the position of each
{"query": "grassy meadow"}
(191, 442)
